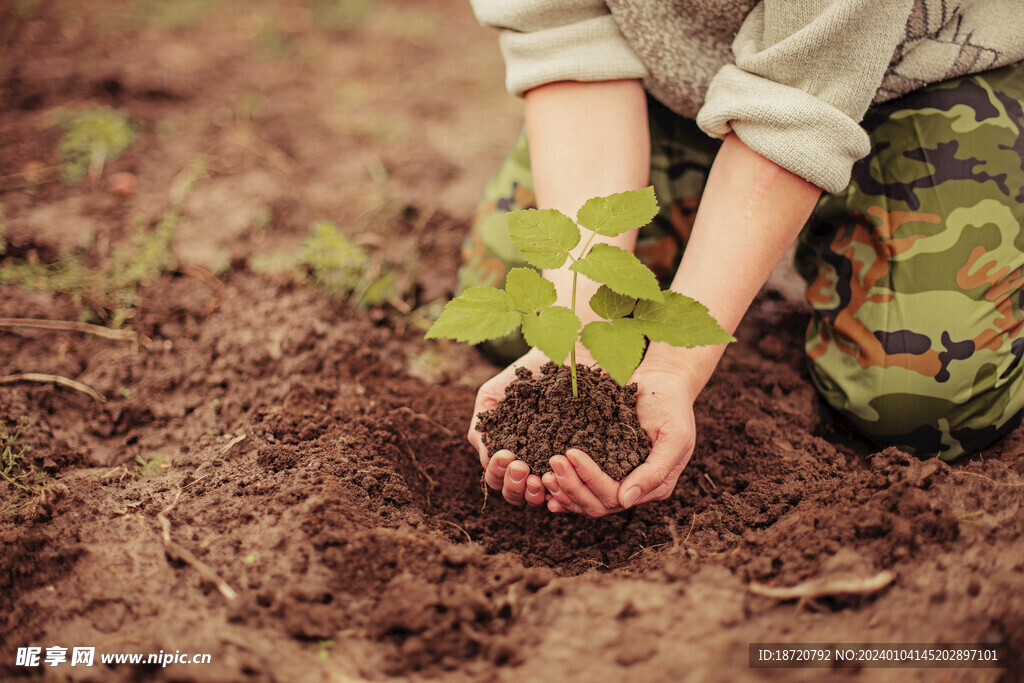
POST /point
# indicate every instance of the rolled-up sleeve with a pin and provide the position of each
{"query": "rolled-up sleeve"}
(546, 41)
(804, 76)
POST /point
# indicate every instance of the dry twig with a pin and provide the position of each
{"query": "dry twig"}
(54, 379)
(71, 326)
(838, 584)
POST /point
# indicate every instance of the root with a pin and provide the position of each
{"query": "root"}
(468, 537)
(416, 465)
(426, 418)
(54, 379)
(70, 326)
(841, 584)
(177, 552)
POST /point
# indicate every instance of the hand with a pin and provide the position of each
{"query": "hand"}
(502, 471)
(665, 409)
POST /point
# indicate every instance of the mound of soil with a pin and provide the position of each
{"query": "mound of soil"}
(539, 418)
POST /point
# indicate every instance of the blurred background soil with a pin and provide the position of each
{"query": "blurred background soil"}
(268, 464)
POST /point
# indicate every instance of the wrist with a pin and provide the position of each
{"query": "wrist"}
(691, 367)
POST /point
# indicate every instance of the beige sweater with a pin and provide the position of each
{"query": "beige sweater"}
(792, 78)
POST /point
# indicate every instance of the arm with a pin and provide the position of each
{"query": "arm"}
(751, 210)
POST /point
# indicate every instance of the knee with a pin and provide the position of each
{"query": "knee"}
(964, 410)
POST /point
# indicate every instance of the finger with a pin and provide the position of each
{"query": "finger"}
(668, 457)
(597, 480)
(514, 488)
(555, 491)
(559, 508)
(535, 493)
(495, 473)
(574, 488)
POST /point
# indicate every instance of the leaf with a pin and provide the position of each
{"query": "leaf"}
(476, 315)
(620, 270)
(617, 346)
(680, 321)
(609, 305)
(617, 213)
(544, 236)
(553, 332)
(530, 292)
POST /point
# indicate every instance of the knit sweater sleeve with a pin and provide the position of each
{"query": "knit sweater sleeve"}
(544, 41)
(804, 76)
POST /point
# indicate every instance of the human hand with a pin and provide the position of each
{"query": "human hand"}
(665, 409)
(502, 471)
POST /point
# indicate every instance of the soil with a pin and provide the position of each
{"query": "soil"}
(281, 480)
(539, 418)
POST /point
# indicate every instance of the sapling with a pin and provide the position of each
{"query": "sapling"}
(632, 306)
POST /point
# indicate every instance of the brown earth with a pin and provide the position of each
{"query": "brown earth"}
(283, 481)
(540, 418)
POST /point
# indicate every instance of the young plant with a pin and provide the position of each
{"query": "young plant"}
(632, 305)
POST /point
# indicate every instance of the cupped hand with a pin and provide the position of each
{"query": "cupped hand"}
(503, 472)
(665, 409)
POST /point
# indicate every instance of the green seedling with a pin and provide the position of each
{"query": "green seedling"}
(13, 469)
(633, 307)
(91, 139)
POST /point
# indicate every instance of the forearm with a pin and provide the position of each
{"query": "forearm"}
(586, 140)
(750, 212)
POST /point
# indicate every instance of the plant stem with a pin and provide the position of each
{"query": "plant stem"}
(572, 351)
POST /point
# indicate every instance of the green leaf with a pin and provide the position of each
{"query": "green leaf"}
(620, 270)
(553, 332)
(617, 213)
(616, 346)
(530, 292)
(609, 305)
(680, 321)
(544, 236)
(476, 315)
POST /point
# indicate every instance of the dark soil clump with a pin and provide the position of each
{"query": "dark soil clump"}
(539, 418)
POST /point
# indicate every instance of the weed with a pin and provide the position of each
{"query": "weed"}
(12, 461)
(91, 139)
(336, 264)
(154, 467)
(629, 299)
(324, 651)
(111, 289)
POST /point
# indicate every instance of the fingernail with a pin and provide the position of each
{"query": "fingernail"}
(532, 490)
(516, 475)
(558, 468)
(506, 458)
(631, 497)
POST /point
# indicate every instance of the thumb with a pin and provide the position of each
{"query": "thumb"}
(667, 458)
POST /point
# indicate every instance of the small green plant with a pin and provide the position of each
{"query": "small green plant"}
(91, 139)
(13, 469)
(629, 299)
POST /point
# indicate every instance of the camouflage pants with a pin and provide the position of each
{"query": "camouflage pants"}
(915, 271)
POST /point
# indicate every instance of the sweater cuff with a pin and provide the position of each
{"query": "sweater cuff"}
(589, 50)
(786, 125)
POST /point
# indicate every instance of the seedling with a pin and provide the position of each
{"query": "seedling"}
(633, 306)
(92, 139)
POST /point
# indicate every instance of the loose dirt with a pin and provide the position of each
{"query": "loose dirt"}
(311, 457)
(539, 418)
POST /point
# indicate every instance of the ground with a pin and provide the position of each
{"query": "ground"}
(279, 477)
